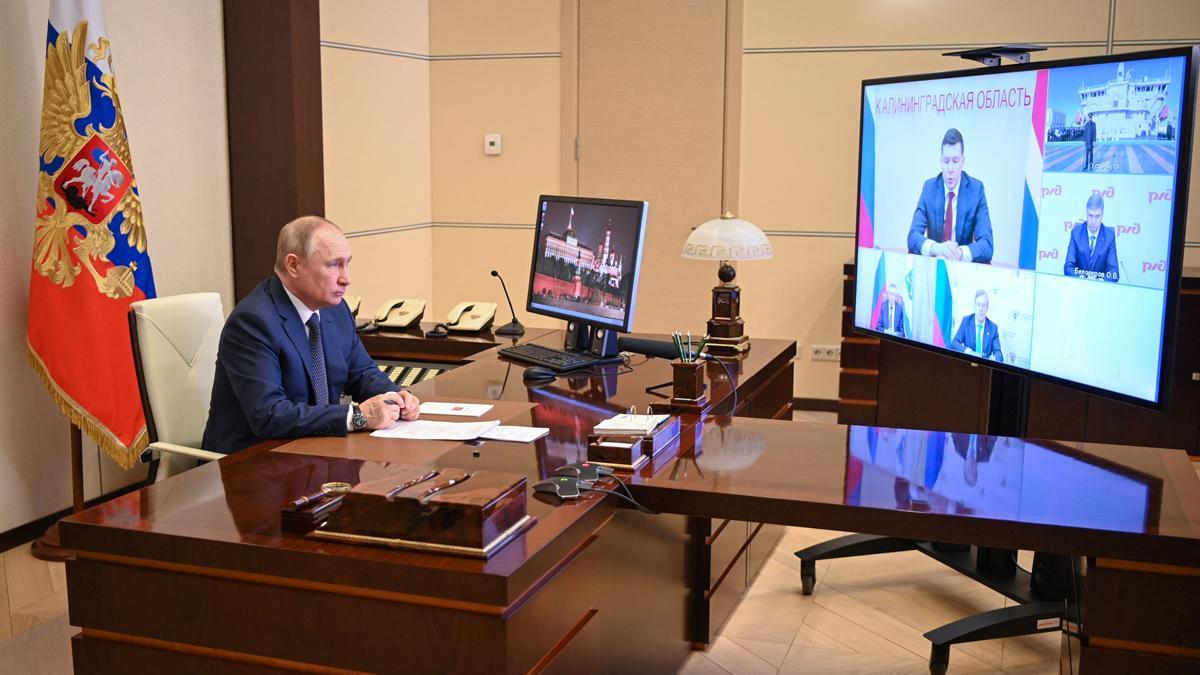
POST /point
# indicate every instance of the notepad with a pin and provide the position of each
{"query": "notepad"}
(629, 425)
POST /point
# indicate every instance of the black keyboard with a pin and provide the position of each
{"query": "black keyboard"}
(558, 360)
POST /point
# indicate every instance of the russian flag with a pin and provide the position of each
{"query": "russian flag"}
(90, 260)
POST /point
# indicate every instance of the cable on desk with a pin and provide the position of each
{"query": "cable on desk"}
(631, 500)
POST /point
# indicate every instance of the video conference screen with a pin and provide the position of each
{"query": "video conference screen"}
(585, 259)
(1029, 217)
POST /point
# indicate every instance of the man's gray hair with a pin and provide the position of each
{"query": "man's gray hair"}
(297, 237)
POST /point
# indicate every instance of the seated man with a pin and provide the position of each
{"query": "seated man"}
(1092, 249)
(978, 335)
(289, 351)
(891, 315)
(951, 220)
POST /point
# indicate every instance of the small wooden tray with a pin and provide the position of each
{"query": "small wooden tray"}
(630, 452)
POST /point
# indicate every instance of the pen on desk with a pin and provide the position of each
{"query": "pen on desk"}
(307, 499)
(689, 349)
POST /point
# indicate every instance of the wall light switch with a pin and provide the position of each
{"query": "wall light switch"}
(491, 144)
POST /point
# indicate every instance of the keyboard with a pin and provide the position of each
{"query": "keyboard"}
(558, 360)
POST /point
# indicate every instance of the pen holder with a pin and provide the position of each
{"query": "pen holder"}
(687, 389)
(687, 381)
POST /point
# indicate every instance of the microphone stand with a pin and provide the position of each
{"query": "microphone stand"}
(512, 328)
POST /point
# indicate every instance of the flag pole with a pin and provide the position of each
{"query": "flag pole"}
(48, 547)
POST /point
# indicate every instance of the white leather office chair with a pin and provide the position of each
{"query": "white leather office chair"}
(175, 353)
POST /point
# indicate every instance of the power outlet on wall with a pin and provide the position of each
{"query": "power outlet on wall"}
(826, 352)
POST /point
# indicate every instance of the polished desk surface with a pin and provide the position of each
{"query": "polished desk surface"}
(1078, 498)
(226, 514)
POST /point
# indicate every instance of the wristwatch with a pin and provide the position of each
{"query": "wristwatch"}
(358, 421)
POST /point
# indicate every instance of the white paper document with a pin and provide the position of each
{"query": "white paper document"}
(458, 409)
(516, 434)
(430, 430)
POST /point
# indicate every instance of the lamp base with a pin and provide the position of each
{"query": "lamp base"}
(727, 347)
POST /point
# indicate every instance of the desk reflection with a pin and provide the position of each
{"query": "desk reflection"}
(995, 477)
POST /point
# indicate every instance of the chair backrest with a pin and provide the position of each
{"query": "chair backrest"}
(175, 342)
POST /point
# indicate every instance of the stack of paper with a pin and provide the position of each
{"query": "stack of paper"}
(630, 425)
(430, 430)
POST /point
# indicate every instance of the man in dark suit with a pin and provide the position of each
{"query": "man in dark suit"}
(1092, 251)
(951, 220)
(978, 335)
(289, 351)
(891, 316)
(1089, 141)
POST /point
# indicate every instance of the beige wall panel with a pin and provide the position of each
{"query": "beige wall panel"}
(799, 151)
(788, 23)
(390, 265)
(797, 295)
(179, 156)
(650, 123)
(474, 27)
(401, 25)
(1157, 20)
(376, 135)
(465, 258)
(517, 98)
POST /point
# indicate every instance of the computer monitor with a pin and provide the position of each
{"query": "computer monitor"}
(586, 256)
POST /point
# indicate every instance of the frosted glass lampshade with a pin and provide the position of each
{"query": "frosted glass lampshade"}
(727, 238)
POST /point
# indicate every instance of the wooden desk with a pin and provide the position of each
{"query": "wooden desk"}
(195, 572)
(1134, 512)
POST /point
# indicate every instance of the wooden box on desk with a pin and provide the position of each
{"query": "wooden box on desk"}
(472, 515)
(629, 451)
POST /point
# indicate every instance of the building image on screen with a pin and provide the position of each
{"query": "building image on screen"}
(584, 261)
(1030, 217)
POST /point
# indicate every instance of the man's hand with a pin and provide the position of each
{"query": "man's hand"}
(410, 408)
(381, 411)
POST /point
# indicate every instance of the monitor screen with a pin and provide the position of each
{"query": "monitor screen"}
(1030, 217)
(586, 255)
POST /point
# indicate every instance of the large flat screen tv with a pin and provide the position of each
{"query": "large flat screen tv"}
(1031, 217)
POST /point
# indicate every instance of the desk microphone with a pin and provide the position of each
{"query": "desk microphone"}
(514, 327)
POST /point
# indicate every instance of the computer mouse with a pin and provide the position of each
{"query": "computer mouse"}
(438, 331)
(562, 487)
(539, 373)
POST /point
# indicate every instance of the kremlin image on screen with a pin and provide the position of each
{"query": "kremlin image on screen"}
(585, 254)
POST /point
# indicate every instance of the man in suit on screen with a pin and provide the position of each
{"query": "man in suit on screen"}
(891, 315)
(951, 220)
(978, 335)
(1092, 251)
(1089, 141)
(289, 352)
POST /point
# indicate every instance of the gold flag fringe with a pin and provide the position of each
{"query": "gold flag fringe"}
(125, 456)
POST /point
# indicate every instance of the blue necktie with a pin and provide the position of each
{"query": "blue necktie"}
(317, 348)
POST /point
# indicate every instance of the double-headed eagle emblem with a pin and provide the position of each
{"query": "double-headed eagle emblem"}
(87, 175)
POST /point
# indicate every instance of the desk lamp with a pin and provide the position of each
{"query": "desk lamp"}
(726, 239)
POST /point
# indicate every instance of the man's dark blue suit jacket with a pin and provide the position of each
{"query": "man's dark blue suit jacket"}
(972, 224)
(1100, 263)
(263, 384)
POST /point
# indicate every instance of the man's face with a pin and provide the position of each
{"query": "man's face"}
(952, 164)
(1094, 218)
(893, 295)
(981, 305)
(321, 280)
